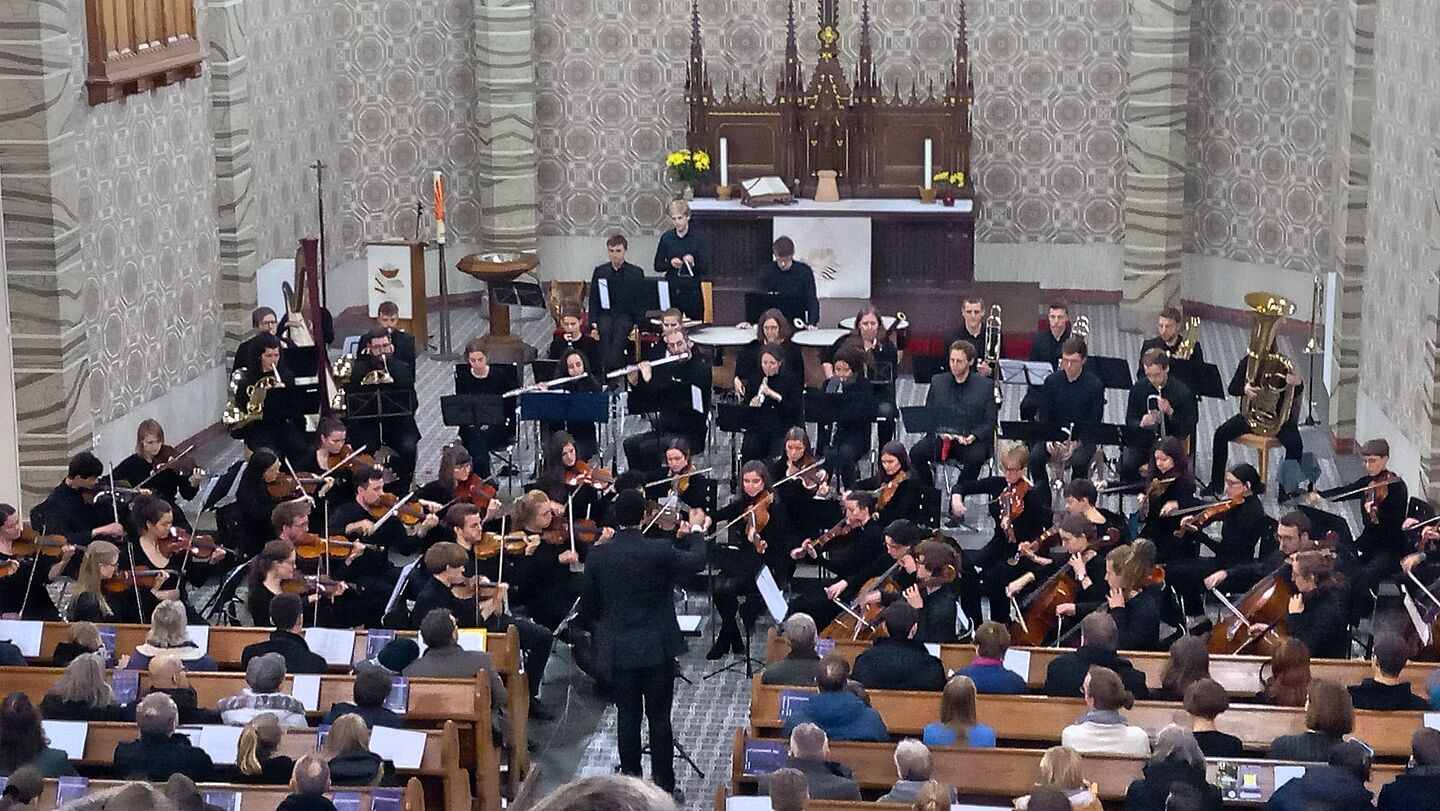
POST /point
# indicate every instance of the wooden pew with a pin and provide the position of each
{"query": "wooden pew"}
(1240, 675)
(252, 797)
(440, 761)
(432, 702)
(1040, 719)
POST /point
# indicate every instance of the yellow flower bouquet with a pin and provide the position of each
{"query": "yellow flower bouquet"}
(954, 181)
(687, 165)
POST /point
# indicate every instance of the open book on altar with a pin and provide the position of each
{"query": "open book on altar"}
(761, 190)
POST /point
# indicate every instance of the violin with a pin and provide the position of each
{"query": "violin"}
(286, 486)
(181, 463)
(312, 584)
(490, 545)
(668, 517)
(180, 541)
(477, 491)
(144, 577)
(313, 546)
(343, 460)
(584, 473)
(1379, 490)
(758, 519)
(30, 542)
(1195, 521)
(409, 513)
(838, 531)
(472, 589)
(889, 489)
(559, 531)
(1012, 506)
(813, 475)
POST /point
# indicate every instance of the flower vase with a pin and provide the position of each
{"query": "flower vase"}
(927, 195)
(948, 199)
(687, 191)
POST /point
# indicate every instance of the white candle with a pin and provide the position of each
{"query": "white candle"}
(724, 162)
(929, 167)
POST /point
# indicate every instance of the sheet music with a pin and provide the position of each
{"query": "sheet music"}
(200, 635)
(1018, 661)
(604, 287)
(697, 399)
(663, 287)
(403, 747)
(306, 688)
(220, 742)
(774, 598)
(473, 639)
(336, 645)
(24, 633)
(67, 736)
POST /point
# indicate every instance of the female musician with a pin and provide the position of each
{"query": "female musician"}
(1382, 542)
(771, 330)
(774, 392)
(880, 362)
(689, 489)
(90, 602)
(152, 522)
(806, 510)
(571, 338)
(739, 553)
(896, 495)
(1243, 524)
(22, 587)
(896, 571)
(477, 379)
(1135, 608)
(275, 571)
(284, 433)
(456, 482)
(567, 479)
(574, 363)
(933, 592)
(153, 464)
(1169, 486)
(853, 418)
(544, 583)
(1319, 614)
(1081, 561)
(1080, 498)
(330, 449)
(683, 257)
(255, 503)
(1021, 513)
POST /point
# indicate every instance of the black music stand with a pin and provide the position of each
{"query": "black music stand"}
(1114, 373)
(1033, 432)
(1024, 372)
(291, 401)
(517, 294)
(378, 402)
(1105, 434)
(921, 420)
(735, 419)
(473, 410)
(1203, 378)
(563, 406)
(757, 303)
(304, 361)
(545, 368)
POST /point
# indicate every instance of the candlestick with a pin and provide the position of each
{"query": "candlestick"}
(929, 164)
(440, 208)
(724, 162)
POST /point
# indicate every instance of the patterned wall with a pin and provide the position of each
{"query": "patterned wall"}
(1263, 85)
(610, 77)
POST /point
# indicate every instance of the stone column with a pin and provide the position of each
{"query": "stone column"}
(505, 122)
(40, 94)
(1430, 452)
(1159, 75)
(1355, 104)
(224, 26)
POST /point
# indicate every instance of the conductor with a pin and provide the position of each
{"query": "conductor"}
(628, 600)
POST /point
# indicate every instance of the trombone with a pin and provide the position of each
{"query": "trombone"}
(994, 335)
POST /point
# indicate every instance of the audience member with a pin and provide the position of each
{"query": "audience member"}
(1385, 690)
(83, 637)
(809, 754)
(168, 634)
(1177, 759)
(1329, 717)
(912, 770)
(125, 797)
(1102, 728)
(1189, 662)
(957, 717)
(1418, 787)
(1289, 681)
(1205, 700)
(1049, 798)
(987, 669)
(934, 796)
(22, 789)
(167, 675)
(308, 784)
(372, 686)
(788, 790)
(23, 742)
(445, 659)
(1338, 785)
(160, 751)
(840, 713)
(257, 756)
(82, 693)
(1060, 770)
(186, 796)
(802, 663)
(287, 613)
(896, 660)
(1066, 673)
(347, 749)
(612, 792)
(263, 677)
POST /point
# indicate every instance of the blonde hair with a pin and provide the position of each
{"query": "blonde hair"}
(678, 208)
(527, 507)
(957, 705)
(148, 428)
(98, 553)
(84, 681)
(347, 734)
(167, 626)
(86, 635)
(1060, 767)
(258, 740)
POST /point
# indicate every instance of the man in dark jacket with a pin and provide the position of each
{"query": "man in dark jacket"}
(1066, 674)
(963, 406)
(896, 661)
(372, 686)
(628, 599)
(838, 712)
(308, 786)
(1385, 690)
(160, 752)
(445, 659)
(802, 664)
(1418, 787)
(809, 748)
(287, 612)
(1336, 786)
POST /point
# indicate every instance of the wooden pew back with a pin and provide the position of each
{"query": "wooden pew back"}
(253, 797)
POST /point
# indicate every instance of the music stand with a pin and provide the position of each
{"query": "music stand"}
(467, 410)
(1202, 378)
(1104, 434)
(518, 294)
(378, 402)
(1114, 373)
(921, 420)
(291, 401)
(1025, 372)
(304, 361)
(1033, 432)
(545, 368)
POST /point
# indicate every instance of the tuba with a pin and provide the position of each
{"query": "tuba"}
(1265, 368)
(1186, 349)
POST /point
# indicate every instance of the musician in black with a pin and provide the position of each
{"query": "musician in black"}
(1292, 535)
(790, 283)
(1079, 555)
(774, 395)
(854, 414)
(1169, 339)
(1021, 512)
(771, 330)
(972, 331)
(963, 405)
(23, 592)
(616, 302)
(69, 510)
(1231, 429)
(482, 379)
(1382, 542)
(545, 584)
(1243, 527)
(572, 337)
(264, 322)
(573, 364)
(1167, 486)
(165, 477)
(688, 488)
(281, 432)
(1045, 346)
(670, 393)
(1134, 605)
(1319, 613)
(377, 366)
(361, 519)
(1072, 396)
(387, 316)
(683, 257)
(895, 563)
(880, 358)
(896, 494)
(1161, 402)
(152, 521)
(739, 553)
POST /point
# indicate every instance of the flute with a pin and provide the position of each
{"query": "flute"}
(635, 367)
(544, 384)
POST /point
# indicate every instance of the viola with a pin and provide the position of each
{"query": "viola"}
(144, 577)
(813, 475)
(286, 486)
(313, 546)
(889, 489)
(181, 463)
(409, 514)
(1378, 492)
(559, 532)
(472, 589)
(312, 584)
(668, 517)
(30, 542)
(181, 541)
(584, 473)
(477, 491)
(758, 519)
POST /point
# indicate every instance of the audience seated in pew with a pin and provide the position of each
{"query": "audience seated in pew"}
(126, 797)
(809, 754)
(1289, 681)
(801, 664)
(372, 686)
(789, 790)
(988, 669)
(1102, 728)
(308, 784)
(397, 655)
(1048, 798)
(912, 772)
(1329, 717)
(160, 751)
(1204, 701)
(83, 694)
(1188, 663)
(608, 791)
(1061, 770)
(1176, 759)
(287, 612)
(167, 675)
(1338, 784)
(1098, 635)
(1385, 690)
(263, 678)
(842, 714)
(897, 661)
(1418, 787)
(186, 796)
(347, 750)
(445, 659)
(168, 634)
(22, 789)
(957, 717)
(257, 758)
(23, 743)
(84, 637)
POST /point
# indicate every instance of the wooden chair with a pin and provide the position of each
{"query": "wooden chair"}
(1261, 445)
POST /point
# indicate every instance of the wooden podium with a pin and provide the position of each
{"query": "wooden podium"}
(395, 271)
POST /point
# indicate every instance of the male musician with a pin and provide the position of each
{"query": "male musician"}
(1045, 346)
(372, 570)
(1292, 535)
(628, 598)
(1231, 429)
(1021, 512)
(791, 283)
(1162, 403)
(283, 433)
(478, 379)
(963, 405)
(386, 317)
(571, 337)
(683, 258)
(1383, 542)
(616, 303)
(399, 434)
(1169, 338)
(1072, 396)
(263, 320)
(670, 321)
(671, 392)
(65, 510)
(972, 330)
(867, 553)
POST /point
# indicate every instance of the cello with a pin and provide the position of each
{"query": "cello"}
(1039, 618)
(1257, 621)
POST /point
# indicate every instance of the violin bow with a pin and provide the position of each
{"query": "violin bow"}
(1428, 593)
(399, 502)
(341, 464)
(134, 578)
(163, 467)
(677, 477)
(34, 564)
(298, 485)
